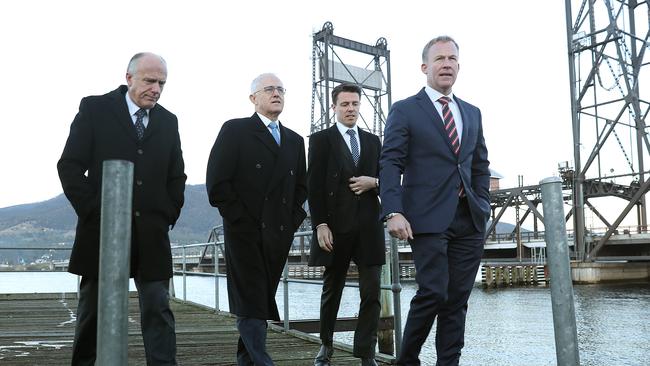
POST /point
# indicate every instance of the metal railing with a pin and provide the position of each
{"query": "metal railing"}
(40, 261)
(395, 287)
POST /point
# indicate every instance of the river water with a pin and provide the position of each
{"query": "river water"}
(511, 326)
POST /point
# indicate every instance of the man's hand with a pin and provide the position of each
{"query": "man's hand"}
(325, 238)
(362, 184)
(399, 227)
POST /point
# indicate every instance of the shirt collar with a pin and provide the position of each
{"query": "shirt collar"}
(435, 95)
(132, 106)
(343, 129)
(266, 120)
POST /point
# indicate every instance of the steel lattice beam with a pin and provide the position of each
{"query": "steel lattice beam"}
(606, 47)
(330, 67)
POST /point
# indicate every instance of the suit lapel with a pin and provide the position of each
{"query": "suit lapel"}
(263, 134)
(468, 124)
(282, 162)
(154, 122)
(340, 148)
(122, 115)
(425, 103)
(366, 147)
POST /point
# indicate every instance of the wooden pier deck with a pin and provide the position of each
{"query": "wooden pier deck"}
(38, 329)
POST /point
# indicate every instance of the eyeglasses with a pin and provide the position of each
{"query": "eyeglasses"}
(271, 89)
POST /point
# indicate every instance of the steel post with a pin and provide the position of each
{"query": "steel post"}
(564, 319)
(397, 289)
(115, 251)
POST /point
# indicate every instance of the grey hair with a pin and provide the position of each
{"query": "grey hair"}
(256, 82)
(132, 68)
(439, 39)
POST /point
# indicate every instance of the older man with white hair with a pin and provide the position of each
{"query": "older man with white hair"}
(256, 178)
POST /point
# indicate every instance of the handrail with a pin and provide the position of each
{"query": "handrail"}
(395, 287)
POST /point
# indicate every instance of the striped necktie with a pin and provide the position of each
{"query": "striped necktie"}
(452, 132)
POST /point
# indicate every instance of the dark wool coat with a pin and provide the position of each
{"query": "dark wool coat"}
(103, 130)
(259, 188)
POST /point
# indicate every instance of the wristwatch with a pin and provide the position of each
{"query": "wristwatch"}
(390, 216)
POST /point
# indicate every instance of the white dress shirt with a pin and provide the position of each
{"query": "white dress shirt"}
(134, 108)
(267, 121)
(343, 130)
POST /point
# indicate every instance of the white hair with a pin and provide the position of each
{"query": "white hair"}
(256, 82)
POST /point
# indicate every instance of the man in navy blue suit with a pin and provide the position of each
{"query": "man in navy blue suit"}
(435, 193)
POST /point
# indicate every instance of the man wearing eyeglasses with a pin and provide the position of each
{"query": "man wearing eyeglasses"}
(256, 178)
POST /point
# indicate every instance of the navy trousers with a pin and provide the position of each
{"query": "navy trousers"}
(446, 265)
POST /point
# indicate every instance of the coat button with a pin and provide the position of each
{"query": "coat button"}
(335, 175)
(331, 194)
(137, 214)
(284, 200)
(281, 227)
(258, 166)
(266, 198)
(291, 172)
(263, 226)
(138, 182)
(140, 152)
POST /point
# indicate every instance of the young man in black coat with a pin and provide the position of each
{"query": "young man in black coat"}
(344, 205)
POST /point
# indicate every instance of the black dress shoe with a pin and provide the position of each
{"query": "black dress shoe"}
(324, 356)
(368, 362)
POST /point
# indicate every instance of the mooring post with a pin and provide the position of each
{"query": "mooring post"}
(385, 339)
(115, 251)
(397, 289)
(564, 318)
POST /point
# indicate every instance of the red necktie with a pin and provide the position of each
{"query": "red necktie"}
(452, 133)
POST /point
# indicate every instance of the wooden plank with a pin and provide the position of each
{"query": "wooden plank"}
(346, 324)
(38, 329)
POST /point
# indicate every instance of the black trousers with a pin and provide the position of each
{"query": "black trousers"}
(251, 346)
(365, 334)
(157, 323)
(446, 266)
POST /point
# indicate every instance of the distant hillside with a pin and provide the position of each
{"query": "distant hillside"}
(504, 227)
(54, 220)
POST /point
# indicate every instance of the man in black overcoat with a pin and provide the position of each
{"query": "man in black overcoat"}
(127, 124)
(344, 206)
(256, 177)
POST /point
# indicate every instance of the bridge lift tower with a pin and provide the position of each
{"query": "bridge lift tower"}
(333, 62)
(607, 42)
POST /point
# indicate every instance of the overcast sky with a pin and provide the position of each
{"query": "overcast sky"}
(513, 59)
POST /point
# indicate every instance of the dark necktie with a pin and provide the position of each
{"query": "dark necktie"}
(275, 132)
(139, 125)
(450, 129)
(354, 146)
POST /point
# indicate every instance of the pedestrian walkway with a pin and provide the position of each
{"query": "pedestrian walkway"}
(38, 329)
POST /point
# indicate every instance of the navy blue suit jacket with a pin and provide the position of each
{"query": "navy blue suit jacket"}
(420, 175)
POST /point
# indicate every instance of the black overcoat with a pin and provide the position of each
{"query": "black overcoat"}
(259, 189)
(103, 130)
